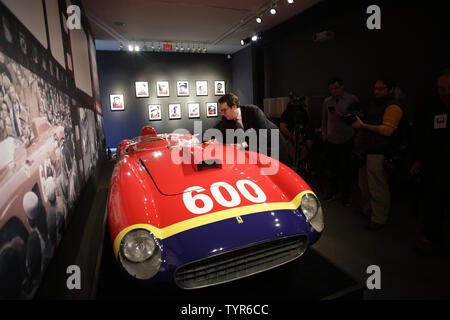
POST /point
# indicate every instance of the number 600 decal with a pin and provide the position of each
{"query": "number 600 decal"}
(190, 201)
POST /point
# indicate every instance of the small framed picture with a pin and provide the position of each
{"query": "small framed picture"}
(174, 111)
(141, 89)
(194, 110)
(116, 101)
(219, 88)
(162, 88)
(183, 88)
(154, 112)
(211, 109)
(202, 88)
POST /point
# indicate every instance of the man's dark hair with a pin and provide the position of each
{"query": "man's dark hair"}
(445, 72)
(339, 80)
(231, 99)
(390, 84)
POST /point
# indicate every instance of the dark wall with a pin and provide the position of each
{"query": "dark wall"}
(243, 75)
(410, 47)
(118, 72)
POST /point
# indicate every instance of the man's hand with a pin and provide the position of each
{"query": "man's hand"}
(242, 146)
(210, 141)
(358, 124)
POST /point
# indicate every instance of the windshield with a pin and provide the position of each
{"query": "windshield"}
(169, 140)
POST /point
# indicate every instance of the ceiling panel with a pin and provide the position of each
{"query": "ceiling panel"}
(219, 25)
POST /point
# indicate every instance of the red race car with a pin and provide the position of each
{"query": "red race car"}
(200, 214)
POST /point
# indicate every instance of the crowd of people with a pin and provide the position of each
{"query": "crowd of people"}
(361, 145)
(25, 96)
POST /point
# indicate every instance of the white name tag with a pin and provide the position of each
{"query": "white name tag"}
(440, 121)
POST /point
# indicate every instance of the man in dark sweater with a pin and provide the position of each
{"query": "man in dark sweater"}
(250, 117)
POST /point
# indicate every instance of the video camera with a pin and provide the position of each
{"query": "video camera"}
(300, 115)
(354, 110)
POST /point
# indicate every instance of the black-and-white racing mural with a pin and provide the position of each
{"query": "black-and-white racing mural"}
(49, 147)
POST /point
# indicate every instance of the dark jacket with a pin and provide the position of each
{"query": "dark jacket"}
(254, 118)
(374, 143)
(432, 142)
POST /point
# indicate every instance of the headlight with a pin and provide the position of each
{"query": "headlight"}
(313, 211)
(140, 254)
(138, 245)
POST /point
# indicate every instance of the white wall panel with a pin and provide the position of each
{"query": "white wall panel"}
(31, 14)
(80, 55)
(54, 30)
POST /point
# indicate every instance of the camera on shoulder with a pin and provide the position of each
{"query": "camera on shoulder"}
(349, 118)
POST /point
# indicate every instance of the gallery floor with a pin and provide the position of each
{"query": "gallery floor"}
(345, 244)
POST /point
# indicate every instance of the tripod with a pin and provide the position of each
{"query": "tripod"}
(299, 144)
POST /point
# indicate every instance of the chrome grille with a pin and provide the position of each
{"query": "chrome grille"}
(240, 263)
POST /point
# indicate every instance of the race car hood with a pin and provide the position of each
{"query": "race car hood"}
(202, 166)
(169, 199)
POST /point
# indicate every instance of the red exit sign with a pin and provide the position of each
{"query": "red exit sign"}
(167, 46)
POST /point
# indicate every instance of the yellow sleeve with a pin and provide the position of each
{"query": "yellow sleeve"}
(391, 118)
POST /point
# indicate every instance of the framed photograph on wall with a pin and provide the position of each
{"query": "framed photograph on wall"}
(116, 102)
(162, 88)
(183, 88)
(202, 88)
(141, 89)
(154, 112)
(211, 109)
(174, 111)
(219, 88)
(194, 110)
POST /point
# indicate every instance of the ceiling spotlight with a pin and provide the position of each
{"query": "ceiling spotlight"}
(273, 11)
(136, 48)
(258, 19)
(254, 37)
(245, 41)
(130, 47)
(290, 1)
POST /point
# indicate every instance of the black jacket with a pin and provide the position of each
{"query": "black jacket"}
(432, 142)
(374, 143)
(254, 118)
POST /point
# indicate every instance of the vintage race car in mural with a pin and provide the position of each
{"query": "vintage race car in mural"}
(37, 187)
(207, 221)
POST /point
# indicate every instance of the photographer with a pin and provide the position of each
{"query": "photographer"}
(379, 138)
(292, 124)
(338, 135)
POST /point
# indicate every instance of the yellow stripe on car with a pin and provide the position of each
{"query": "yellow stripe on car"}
(210, 218)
